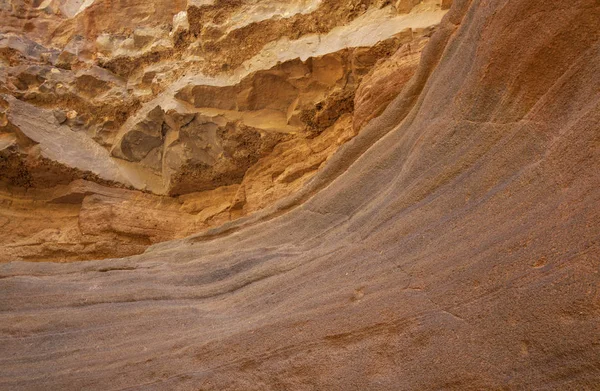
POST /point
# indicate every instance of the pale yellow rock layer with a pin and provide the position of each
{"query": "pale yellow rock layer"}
(134, 105)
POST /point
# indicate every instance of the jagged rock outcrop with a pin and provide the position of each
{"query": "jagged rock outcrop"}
(453, 243)
(175, 99)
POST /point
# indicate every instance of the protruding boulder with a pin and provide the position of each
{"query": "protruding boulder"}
(210, 152)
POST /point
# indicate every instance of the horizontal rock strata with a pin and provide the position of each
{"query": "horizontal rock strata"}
(451, 241)
(242, 99)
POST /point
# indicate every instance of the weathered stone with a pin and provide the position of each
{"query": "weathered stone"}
(370, 203)
(123, 88)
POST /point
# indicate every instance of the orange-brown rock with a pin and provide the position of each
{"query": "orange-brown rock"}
(386, 81)
(289, 166)
(154, 98)
(452, 244)
(84, 220)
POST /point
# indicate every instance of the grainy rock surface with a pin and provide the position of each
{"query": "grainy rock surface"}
(453, 243)
(180, 99)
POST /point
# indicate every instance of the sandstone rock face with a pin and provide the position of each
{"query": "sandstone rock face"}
(178, 99)
(450, 240)
(385, 81)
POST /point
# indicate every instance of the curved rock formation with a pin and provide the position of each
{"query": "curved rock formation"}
(453, 243)
(239, 103)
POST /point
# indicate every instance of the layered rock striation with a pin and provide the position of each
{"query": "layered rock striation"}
(452, 243)
(240, 103)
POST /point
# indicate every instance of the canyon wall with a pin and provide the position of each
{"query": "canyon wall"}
(125, 124)
(442, 232)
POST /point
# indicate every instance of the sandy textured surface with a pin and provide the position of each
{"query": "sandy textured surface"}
(453, 244)
(208, 111)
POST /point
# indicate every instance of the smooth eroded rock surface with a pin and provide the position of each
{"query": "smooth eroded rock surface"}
(452, 243)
